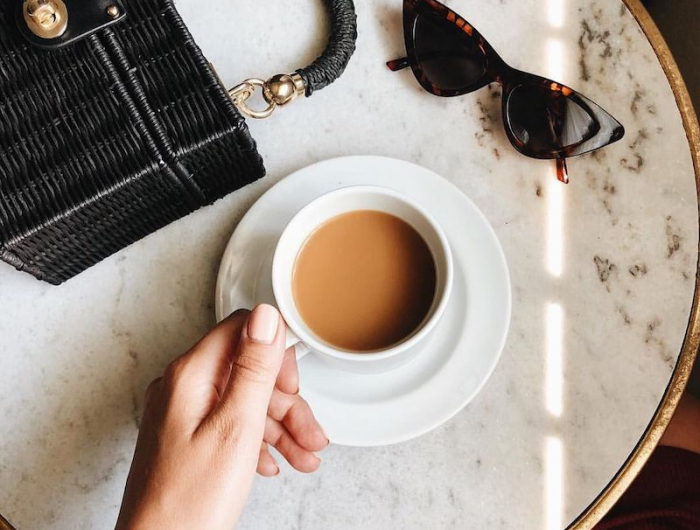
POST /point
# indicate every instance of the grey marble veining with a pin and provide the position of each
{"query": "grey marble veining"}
(610, 259)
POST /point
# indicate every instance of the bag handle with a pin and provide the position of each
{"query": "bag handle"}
(281, 89)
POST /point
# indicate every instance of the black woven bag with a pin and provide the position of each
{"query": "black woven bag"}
(118, 125)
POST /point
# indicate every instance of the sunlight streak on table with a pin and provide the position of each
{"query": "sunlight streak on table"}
(554, 312)
(554, 377)
(555, 13)
(554, 483)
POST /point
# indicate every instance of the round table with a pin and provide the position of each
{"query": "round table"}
(603, 271)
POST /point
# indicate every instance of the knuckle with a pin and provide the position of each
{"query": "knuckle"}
(252, 366)
(152, 388)
(176, 372)
(228, 430)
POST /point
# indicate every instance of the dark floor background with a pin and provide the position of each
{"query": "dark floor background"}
(679, 22)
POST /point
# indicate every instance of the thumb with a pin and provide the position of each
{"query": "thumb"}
(242, 410)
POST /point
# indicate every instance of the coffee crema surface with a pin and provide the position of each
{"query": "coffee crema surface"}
(364, 281)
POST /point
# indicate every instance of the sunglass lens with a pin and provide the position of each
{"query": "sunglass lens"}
(547, 121)
(446, 54)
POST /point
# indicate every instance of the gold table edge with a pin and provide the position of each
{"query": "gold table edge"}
(5, 524)
(684, 366)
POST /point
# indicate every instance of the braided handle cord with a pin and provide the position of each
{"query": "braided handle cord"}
(341, 45)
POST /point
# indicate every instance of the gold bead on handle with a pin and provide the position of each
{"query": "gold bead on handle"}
(283, 88)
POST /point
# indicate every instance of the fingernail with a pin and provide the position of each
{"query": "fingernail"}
(328, 440)
(263, 323)
(278, 471)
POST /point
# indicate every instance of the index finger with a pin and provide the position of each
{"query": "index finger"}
(211, 357)
(196, 380)
(288, 378)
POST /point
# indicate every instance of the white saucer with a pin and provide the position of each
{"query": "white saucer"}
(373, 410)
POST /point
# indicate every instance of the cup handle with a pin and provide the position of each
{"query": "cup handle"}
(300, 348)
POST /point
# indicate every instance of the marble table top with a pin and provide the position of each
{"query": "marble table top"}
(603, 274)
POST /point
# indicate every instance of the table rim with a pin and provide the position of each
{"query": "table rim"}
(602, 504)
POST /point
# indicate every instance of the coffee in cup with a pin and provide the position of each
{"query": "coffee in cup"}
(364, 281)
(362, 276)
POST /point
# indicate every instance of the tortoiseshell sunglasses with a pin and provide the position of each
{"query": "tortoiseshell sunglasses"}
(543, 118)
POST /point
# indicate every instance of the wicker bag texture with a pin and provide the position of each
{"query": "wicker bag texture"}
(110, 138)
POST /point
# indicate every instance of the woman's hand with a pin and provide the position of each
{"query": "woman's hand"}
(207, 424)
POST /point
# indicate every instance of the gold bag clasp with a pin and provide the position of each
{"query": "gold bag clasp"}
(277, 91)
(47, 19)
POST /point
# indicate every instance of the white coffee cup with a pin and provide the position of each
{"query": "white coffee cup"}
(313, 215)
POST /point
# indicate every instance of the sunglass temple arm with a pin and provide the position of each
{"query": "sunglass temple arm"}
(398, 64)
(562, 170)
